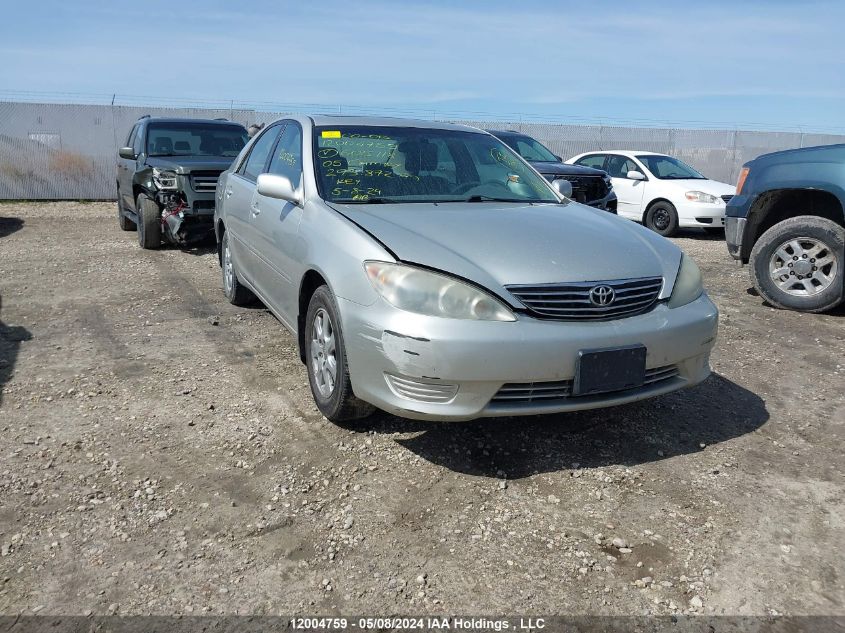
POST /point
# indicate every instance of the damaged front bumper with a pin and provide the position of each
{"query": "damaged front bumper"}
(447, 369)
(185, 219)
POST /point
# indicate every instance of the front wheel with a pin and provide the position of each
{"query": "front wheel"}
(235, 291)
(662, 218)
(798, 264)
(325, 358)
(149, 222)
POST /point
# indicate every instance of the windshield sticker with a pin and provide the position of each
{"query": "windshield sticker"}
(331, 133)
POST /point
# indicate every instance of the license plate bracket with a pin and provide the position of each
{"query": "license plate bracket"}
(609, 369)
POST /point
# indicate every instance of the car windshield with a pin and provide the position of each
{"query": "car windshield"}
(376, 164)
(668, 168)
(530, 149)
(195, 139)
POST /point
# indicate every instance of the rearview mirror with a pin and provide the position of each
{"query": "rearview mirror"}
(635, 175)
(280, 187)
(127, 152)
(563, 187)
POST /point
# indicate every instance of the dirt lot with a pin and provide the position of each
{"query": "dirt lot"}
(156, 462)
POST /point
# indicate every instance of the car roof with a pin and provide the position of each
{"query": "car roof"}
(507, 133)
(324, 120)
(623, 152)
(164, 119)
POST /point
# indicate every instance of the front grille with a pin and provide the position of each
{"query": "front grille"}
(204, 181)
(584, 188)
(545, 392)
(727, 199)
(571, 301)
(421, 390)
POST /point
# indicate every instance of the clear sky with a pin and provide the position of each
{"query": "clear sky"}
(714, 63)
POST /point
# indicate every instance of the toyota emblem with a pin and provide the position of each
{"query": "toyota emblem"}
(602, 295)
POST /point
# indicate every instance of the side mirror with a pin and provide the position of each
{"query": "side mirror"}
(127, 152)
(635, 175)
(563, 187)
(279, 187)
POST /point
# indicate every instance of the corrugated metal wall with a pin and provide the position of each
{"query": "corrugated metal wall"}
(67, 151)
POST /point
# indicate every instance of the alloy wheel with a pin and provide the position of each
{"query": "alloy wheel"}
(803, 266)
(322, 349)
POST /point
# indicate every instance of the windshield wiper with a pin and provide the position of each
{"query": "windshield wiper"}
(479, 198)
(362, 201)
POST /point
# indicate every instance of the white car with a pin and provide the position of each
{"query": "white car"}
(661, 191)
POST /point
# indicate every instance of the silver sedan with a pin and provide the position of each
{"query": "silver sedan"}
(427, 270)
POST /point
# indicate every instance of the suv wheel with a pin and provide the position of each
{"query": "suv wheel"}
(662, 218)
(235, 292)
(123, 222)
(325, 357)
(799, 264)
(149, 222)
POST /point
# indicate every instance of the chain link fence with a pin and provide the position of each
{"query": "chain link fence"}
(55, 151)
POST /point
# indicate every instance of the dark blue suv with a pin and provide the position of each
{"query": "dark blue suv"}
(787, 221)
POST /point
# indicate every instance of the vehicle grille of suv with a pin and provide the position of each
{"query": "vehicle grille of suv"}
(571, 301)
(539, 392)
(204, 181)
(584, 188)
(727, 199)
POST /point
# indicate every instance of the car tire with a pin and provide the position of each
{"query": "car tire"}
(123, 222)
(798, 239)
(325, 358)
(662, 218)
(235, 291)
(149, 222)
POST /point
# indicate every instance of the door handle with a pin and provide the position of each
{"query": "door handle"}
(228, 192)
(255, 209)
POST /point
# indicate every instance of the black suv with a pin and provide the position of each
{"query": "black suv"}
(167, 175)
(589, 186)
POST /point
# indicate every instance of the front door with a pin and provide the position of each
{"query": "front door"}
(629, 192)
(276, 229)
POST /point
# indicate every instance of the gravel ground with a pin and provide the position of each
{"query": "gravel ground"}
(161, 454)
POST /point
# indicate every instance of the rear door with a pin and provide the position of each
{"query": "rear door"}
(125, 169)
(276, 228)
(629, 192)
(237, 200)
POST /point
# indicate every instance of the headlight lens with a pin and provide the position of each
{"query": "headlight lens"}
(423, 292)
(688, 286)
(700, 196)
(164, 179)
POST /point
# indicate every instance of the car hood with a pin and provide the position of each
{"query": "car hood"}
(562, 169)
(713, 187)
(496, 244)
(187, 164)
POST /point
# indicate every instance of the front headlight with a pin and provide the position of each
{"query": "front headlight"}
(163, 179)
(700, 196)
(432, 294)
(688, 286)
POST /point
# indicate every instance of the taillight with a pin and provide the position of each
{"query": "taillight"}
(741, 181)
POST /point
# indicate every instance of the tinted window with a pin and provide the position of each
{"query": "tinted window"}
(619, 166)
(138, 141)
(594, 160)
(530, 149)
(287, 157)
(260, 152)
(195, 139)
(410, 164)
(131, 140)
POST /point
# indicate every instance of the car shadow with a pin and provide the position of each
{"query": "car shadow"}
(10, 225)
(838, 311)
(701, 235)
(11, 338)
(676, 424)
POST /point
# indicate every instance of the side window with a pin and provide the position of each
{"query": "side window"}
(619, 166)
(138, 142)
(130, 142)
(287, 157)
(258, 155)
(595, 161)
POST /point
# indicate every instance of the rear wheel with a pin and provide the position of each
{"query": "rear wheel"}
(325, 357)
(235, 292)
(799, 264)
(149, 222)
(662, 218)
